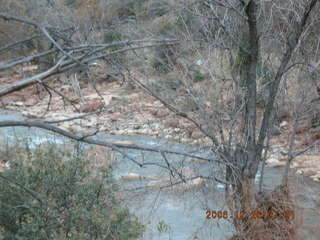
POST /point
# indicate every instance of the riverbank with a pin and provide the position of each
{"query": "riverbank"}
(129, 112)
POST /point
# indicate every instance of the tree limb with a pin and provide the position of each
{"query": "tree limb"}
(113, 145)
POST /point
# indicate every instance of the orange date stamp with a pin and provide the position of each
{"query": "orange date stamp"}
(286, 215)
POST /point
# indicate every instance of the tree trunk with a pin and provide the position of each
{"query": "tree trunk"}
(245, 163)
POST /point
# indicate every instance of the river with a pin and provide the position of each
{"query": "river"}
(178, 213)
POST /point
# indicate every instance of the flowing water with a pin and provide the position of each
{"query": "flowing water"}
(179, 212)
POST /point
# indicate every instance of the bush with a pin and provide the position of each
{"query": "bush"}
(164, 57)
(197, 76)
(169, 83)
(53, 195)
(112, 36)
(115, 36)
(125, 9)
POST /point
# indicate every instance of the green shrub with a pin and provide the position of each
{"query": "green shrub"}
(115, 36)
(156, 8)
(186, 20)
(165, 25)
(197, 76)
(170, 83)
(112, 36)
(51, 194)
(165, 56)
(162, 59)
(127, 8)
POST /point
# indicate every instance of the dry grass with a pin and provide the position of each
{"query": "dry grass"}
(275, 218)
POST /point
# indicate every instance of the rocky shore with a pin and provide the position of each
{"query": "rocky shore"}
(129, 112)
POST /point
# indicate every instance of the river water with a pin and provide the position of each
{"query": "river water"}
(179, 212)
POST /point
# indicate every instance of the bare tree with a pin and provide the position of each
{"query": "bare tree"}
(242, 35)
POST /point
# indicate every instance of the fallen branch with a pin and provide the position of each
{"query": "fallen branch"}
(29, 81)
(113, 145)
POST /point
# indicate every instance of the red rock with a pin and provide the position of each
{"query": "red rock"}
(153, 111)
(92, 106)
(182, 91)
(303, 127)
(116, 116)
(172, 123)
(31, 102)
(315, 136)
(197, 134)
(159, 113)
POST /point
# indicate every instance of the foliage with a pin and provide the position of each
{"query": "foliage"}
(163, 227)
(53, 195)
(157, 8)
(160, 61)
(127, 8)
(112, 36)
(169, 83)
(165, 25)
(197, 76)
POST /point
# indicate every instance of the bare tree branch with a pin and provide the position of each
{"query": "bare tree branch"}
(113, 145)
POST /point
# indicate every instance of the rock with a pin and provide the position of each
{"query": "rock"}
(303, 127)
(31, 102)
(315, 130)
(4, 165)
(307, 172)
(92, 106)
(284, 125)
(17, 103)
(273, 162)
(182, 91)
(155, 183)
(315, 136)
(144, 131)
(136, 127)
(184, 140)
(181, 186)
(275, 131)
(116, 116)
(177, 130)
(283, 152)
(316, 177)
(294, 165)
(198, 161)
(283, 113)
(199, 62)
(186, 172)
(172, 123)
(197, 134)
(131, 177)
(159, 113)
(197, 181)
(308, 158)
(137, 177)
(129, 143)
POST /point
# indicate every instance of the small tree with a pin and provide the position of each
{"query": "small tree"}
(50, 194)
